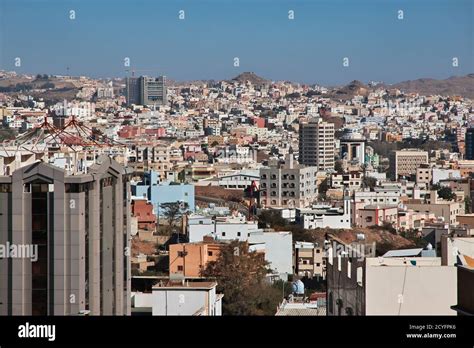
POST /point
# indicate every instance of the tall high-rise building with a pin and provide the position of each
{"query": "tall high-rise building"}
(65, 240)
(316, 144)
(153, 90)
(469, 144)
(132, 90)
(146, 90)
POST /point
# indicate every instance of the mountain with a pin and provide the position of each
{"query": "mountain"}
(353, 88)
(251, 77)
(455, 85)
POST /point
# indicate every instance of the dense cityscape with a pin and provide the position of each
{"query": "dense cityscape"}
(146, 196)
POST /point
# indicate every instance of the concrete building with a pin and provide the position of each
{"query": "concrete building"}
(278, 248)
(187, 298)
(326, 216)
(220, 228)
(406, 162)
(80, 225)
(189, 259)
(239, 180)
(352, 148)
(379, 195)
(153, 91)
(158, 192)
(143, 211)
(424, 175)
(288, 185)
(316, 144)
(377, 215)
(146, 91)
(469, 144)
(352, 180)
(308, 260)
(465, 295)
(132, 93)
(359, 285)
(448, 210)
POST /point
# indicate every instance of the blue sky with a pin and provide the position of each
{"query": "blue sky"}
(308, 49)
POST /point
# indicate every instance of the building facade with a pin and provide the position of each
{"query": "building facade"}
(316, 144)
(79, 226)
(406, 162)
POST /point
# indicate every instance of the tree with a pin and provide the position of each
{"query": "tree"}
(369, 182)
(241, 277)
(338, 167)
(323, 188)
(173, 211)
(446, 193)
(270, 218)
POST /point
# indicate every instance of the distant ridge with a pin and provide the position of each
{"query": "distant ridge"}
(455, 85)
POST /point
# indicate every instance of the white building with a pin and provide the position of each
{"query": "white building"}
(380, 195)
(181, 298)
(224, 228)
(326, 216)
(239, 180)
(277, 246)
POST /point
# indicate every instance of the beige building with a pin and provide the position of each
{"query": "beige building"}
(316, 144)
(406, 162)
(401, 285)
(377, 215)
(448, 210)
(288, 185)
(308, 260)
(423, 175)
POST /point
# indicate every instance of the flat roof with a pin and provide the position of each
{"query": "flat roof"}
(186, 285)
(403, 252)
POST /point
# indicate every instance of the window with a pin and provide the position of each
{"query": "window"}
(209, 253)
(223, 234)
(318, 264)
(238, 234)
(180, 268)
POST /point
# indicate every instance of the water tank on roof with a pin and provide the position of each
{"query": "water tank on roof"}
(298, 287)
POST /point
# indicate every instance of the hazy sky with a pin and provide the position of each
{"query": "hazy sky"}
(308, 49)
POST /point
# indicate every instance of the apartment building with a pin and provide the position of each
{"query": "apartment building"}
(288, 185)
(189, 259)
(447, 210)
(316, 144)
(308, 260)
(326, 216)
(80, 225)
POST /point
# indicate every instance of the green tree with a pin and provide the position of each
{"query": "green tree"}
(446, 193)
(173, 211)
(241, 277)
